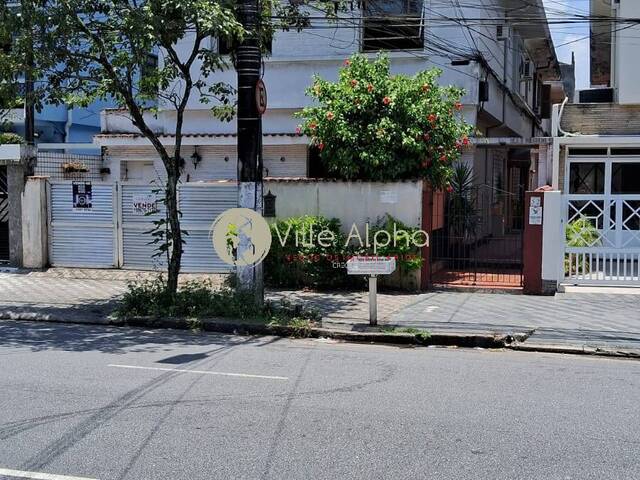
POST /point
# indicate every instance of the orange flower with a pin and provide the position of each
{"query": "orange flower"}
(321, 146)
(313, 125)
(347, 62)
(443, 158)
(354, 83)
(433, 118)
(465, 140)
(330, 116)
(370, 88)
(458, 106)
(386, 100)
(426, 87)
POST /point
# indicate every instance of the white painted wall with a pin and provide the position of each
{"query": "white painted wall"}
(219, 162)
(626, 45)
(349, 202)
(552, 238)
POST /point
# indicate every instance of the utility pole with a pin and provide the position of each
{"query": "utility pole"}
(248, 67)
(29, 110)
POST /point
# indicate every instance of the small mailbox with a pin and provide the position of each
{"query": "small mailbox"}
(372, 267)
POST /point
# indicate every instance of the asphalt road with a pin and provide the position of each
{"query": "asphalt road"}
(101, 403)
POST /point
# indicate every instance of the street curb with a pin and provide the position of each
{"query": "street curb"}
(232, 327)
(495, 341)
(43, 317)
(572, 350)
(242, 328)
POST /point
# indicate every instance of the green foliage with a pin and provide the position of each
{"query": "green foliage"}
(199, 300)
(9, 138)
(420, 334)
(372, 125)
(582, 233)
(402, 246)
(463, 215)
(81, 51)
(297, 258)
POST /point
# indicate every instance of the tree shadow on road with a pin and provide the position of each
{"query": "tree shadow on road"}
(40, 336)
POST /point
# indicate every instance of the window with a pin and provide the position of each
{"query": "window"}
(586, 178)
(393, 25)
(625, 178)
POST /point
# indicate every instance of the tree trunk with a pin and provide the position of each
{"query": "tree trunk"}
(175, 232)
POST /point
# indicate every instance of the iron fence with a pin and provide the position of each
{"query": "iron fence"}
(68, 166)
(481, 241)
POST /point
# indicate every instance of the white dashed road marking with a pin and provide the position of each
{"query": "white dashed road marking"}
(202, 372)
(5, 472)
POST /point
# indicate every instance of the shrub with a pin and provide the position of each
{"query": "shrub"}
(408, 255)
(297, 261)
(9, 138)
(198, 300)
(580, 233)
(372, 125)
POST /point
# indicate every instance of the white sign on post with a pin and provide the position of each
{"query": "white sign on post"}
(372, 267)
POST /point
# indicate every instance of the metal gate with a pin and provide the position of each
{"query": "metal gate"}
(200, 204)
(480, 243)
(602, 220)
(113, 232)
(4, 215)
(82, 237)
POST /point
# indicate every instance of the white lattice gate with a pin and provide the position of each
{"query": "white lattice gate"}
(602, 219)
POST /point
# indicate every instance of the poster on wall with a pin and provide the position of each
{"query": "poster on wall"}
(82, 198)
(145, 204)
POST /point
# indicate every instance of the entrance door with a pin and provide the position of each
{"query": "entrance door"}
(4, 216)
(480, 244)
(602, 219)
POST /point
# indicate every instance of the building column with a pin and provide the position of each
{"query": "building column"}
(15, 187)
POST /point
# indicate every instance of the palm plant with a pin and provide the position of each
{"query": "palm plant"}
(463, 216)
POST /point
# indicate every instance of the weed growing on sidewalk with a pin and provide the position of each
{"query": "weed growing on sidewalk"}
(421, 335)
(198, 300)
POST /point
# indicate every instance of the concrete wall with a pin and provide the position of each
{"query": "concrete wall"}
(553, 240)
(35, 223)
(352, 203)
(349, 202)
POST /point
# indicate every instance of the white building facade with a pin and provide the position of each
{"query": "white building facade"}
(596, 157)
(505, 69)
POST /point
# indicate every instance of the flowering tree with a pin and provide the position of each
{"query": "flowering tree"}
(372, 125)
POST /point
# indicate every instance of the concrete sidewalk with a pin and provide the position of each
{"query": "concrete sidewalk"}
(579, 320)
(582, 320)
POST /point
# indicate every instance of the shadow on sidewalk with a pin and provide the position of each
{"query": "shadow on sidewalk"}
(86, 338)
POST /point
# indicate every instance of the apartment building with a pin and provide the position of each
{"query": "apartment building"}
(596, 154)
